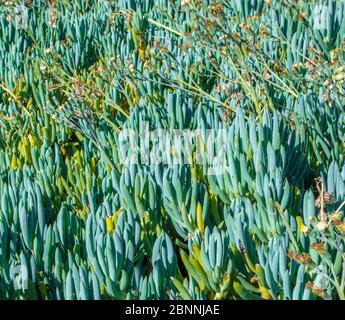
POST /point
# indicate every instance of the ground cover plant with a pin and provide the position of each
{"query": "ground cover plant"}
(172, 149)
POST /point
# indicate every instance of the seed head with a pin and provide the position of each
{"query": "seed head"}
(321, 226)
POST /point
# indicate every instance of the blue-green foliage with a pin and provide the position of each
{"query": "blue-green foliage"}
(78, 223)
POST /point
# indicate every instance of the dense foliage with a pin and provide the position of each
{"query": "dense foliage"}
(78, 222)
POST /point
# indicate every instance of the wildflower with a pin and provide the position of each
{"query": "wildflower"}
(147, 64)
(335, 216)
(305, 229)
(340, 77)
(303, 258)
(298, 65)
(341, 227)
(43, 67)
(316, 290)
(192, 69)
(226, 116)
(131, 68)
(255, 17)
(263, 32)
(321, 226)
(324, 196)
(52, 19)
(246, 26)
(218, 88)
(326, 97)
(318, 247)
(310, 66)
(336, 222)
(78, 88)
(302, 15)
(185, 3)
(216, 9)
(236, 95)
(267, 75)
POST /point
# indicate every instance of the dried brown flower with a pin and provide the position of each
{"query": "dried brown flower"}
(316, 290)
(318, 247)
(303, 258)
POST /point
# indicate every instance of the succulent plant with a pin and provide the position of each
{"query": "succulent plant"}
(88, 213)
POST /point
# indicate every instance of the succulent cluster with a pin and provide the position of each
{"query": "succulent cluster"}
(82, 219)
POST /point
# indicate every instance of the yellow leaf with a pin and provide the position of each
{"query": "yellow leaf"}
(93, 164)
(110, 225)
(200, 221)
(300, 223)
(214, 208)
(142, 46)
(19, 163)
(265, 293)
(27, 149)
(134, 36)
(249, 262)
(43, 290)
(21, 148)
(198, 255)
(14, 162)
(32, 139)
(115, 216)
